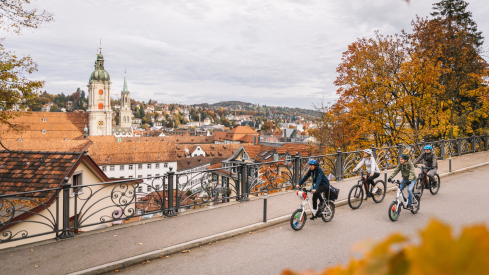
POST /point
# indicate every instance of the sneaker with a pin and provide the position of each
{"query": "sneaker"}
(409, 207)
(312, 217)
(374, 190)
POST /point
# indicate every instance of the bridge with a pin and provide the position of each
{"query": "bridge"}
(232, 237)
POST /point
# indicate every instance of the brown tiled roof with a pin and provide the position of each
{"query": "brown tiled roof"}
(30, 170)
(211, 150)
(191, 139)
(219, 135)
(104, 153)
(243, 130)
(249, 139)
(57, 126)
(47, 145)
(152, 201)
(189, 163)
(252, 150)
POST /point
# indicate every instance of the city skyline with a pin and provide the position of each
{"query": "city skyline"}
(273, 53)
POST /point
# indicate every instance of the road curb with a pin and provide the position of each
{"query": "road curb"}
(101, 269)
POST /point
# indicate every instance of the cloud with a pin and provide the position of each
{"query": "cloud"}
(274, 52)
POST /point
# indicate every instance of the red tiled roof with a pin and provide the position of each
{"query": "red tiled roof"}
(30, 170)
(56, 126)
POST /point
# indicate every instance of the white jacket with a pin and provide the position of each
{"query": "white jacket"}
(370, 163)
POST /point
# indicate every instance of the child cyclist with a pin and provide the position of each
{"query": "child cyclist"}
(320, 184)
(373, 170)
(408, 177)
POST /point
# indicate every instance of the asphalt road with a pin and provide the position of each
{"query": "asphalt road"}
(462, 200)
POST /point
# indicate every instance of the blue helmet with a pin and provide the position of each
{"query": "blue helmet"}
(404, 156)
(313, 162)
(428, 147)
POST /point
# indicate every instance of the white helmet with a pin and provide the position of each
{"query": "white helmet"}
(368, 151)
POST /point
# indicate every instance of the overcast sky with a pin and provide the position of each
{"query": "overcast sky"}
(281, 53)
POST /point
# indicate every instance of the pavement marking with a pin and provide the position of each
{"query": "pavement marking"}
(109, 267)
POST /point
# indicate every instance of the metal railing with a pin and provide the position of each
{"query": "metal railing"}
(67, 210)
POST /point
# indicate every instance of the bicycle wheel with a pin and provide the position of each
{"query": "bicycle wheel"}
(296, 222)
(328, 216)
(380, 184)
(355, 197)
(417, 205)
(418, 188)
(393, 212)
(434, 189)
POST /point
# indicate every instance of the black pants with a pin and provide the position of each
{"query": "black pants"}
(370, 179)
(317, 195)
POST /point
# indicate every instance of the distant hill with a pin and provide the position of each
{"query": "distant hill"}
(245, 108)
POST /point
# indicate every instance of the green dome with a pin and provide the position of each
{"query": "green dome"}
(99, 74)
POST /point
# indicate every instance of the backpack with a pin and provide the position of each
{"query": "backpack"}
(333, 193)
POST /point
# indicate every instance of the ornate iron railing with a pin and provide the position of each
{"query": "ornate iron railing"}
(67, 210)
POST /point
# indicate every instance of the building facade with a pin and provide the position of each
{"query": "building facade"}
(125, 111)
(100, 112)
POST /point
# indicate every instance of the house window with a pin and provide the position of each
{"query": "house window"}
(149, 175)
(140, 176)
(122, 177)
(165, 165)
(77, 181)
(43, 131)
(130, 167)
(157, 175)
(130, 177)
(275, 157)
(112, 168)
(43, 119)
(157, 187)
(140, 166)
(149, 165)
(149, 189)
(104, 168)
(140, 190)
(121, 168)
(157, 166)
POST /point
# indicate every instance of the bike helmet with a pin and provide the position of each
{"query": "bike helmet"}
(368, 151)
(313, 162)
(404, 156)
(428, 147)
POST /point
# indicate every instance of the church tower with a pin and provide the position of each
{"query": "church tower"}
(100, 112)
(125, 119)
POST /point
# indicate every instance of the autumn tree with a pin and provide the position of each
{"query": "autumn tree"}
(267, 125)
(15, 87)
(464, 74)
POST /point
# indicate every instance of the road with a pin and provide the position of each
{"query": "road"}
(462, 200)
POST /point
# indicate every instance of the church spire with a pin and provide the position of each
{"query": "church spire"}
(124, 89)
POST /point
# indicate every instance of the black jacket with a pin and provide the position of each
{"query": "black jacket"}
(318, 178)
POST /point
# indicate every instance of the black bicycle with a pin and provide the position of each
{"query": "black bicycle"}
(355, 197)
(423, 181)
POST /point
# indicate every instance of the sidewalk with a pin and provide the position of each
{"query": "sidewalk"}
(111, 244)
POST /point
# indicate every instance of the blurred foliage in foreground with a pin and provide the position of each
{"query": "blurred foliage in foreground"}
(437, 252)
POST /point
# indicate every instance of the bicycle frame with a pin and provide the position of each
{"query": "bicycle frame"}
(400, 198)
(307, 202)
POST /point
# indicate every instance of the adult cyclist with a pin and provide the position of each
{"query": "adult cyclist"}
(406, 167)
(429, 157)
(320, 184)
(373, 170)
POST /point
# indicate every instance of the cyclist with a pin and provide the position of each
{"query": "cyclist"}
(429, 157)
(320, 183)
(373, 170)
(408, 177)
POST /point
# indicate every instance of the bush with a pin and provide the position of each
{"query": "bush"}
(437, 253)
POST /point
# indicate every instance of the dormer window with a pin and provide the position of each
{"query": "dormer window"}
(43, 131)
(43, 119)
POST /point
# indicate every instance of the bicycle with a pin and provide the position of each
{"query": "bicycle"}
(395, 207)
(423, 181)
(356, 192)
(299, 217)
